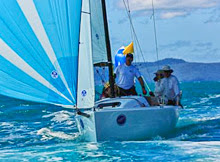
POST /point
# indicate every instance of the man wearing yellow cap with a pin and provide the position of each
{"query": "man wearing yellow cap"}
(125, 74)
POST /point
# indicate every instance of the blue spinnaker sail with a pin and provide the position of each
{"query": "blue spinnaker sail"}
(39, 43)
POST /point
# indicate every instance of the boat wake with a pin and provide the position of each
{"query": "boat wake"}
(206, 129)
(207, 99)
(61, 117)
(48, 134)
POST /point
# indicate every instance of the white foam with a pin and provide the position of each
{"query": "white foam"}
(91, 146)
(13, 137)
(48, 134)
(214, 96)
(55, 159)
(206, 99)
(61, 116)
(7, 124)
(25, 105)
(208, 118)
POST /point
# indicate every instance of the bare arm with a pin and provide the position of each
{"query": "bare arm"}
(141, 81)
(142, 85)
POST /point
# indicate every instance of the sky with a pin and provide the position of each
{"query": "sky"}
(186, 29)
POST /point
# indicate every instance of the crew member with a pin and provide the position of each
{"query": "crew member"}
(156, 97)
(126, 74)
(169, 87)
(157, 79)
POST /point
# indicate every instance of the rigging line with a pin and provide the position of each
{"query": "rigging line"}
(104, 74)
(129, 12)
(138, 51)
(135, 35)
(97, 92)
(132, 32)
(132, 26)
(155, 34)
(103, 80)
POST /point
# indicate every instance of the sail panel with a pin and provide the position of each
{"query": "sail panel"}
(39, 50)
(98, 32)
(86, 90)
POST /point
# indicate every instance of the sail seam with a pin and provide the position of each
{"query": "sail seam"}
(33, 18)
(17, 61)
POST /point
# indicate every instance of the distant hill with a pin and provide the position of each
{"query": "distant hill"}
(185, 71)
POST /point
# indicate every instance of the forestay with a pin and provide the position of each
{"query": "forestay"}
(39, 44)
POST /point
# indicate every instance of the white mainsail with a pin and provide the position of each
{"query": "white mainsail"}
(86, 89)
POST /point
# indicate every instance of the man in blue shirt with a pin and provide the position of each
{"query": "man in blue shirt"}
(125, 74)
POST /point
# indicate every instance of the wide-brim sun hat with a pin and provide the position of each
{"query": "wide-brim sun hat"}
(167, 68)
(159, 72)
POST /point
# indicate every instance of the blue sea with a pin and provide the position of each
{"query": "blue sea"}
(37, 132)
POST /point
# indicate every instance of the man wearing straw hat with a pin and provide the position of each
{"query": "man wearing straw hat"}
(169, 87)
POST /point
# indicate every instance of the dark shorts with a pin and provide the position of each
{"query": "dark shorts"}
(127, 92)
(171, 102)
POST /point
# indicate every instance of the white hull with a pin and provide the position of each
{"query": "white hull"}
(127, 123)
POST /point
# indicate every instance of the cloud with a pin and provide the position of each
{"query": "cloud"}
(123, 20)
(201, 47)
(206, 55)
(170, 8)
(204, 44)
(215, 16)
(194, 46)
(170, 4)
(198, 49)
(169, 15)
(176, 45)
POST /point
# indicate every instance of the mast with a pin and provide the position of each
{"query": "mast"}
(108, 47)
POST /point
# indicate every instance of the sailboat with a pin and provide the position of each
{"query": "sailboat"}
(48, 50)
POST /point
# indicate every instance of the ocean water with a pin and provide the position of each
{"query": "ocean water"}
(36, 132)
